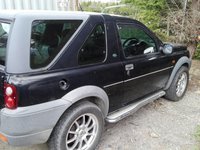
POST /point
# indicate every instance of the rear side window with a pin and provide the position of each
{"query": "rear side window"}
(47, 39)
(94, 49)
(4, 32)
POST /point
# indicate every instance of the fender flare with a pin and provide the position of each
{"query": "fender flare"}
(183, 60)
(89, 91)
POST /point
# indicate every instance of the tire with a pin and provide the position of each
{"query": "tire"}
(179, 85)
(82, 123)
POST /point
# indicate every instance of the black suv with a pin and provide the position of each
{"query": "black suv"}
(64, 73)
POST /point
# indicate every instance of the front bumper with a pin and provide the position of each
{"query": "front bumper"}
(32, 124)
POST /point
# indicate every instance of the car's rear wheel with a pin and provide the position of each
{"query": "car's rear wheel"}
(79, 128)
(179, 85)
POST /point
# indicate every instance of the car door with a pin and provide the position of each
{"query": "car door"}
(108, 73)
(146, 69)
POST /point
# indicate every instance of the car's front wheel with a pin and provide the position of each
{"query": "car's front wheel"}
(179, 85)
(79, 128)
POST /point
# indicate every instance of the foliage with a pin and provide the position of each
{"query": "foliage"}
(197, 56)
(93, 6)
(151, 12)
(110, 8)
(184, 23)
(124, 10)
(197, 133)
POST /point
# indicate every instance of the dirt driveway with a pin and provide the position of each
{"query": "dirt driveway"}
(161, 125)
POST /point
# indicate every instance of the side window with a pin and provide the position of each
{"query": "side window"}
(135, 41)
(94, 49)
(4, 33)
(47, 39)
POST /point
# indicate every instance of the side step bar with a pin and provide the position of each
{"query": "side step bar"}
(124, 112)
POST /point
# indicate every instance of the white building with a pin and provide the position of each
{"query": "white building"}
(102, 1)
(38, 4)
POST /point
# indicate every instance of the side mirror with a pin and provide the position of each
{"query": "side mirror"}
(167, 49)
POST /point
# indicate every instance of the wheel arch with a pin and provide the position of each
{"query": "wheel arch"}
(183, 61)
(93, 94)
(90, 93)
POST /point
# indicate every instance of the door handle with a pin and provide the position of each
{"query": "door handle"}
(129, 67)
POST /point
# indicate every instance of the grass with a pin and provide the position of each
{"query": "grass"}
(197, 136)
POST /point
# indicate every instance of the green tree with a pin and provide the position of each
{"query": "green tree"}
(197, 54)
(151, 11)
(123, 9)
(93, 6)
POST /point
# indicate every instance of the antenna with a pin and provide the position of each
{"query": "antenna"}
(115, 6)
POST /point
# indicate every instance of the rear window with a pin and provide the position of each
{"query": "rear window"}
(47, 39)
(4, 32)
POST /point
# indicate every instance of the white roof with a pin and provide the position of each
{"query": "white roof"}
(11, 14)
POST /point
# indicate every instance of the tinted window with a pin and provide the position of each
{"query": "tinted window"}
(135, 41)
(94, 49)
(4, 32)
(48, 38)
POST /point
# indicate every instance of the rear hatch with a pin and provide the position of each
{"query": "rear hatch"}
(4, 32)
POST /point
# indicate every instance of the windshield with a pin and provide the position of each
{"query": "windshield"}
(4, 32)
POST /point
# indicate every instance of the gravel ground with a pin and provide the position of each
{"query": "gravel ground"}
(161, 125)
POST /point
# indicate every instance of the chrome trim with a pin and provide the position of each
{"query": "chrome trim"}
(148, 74)
(129, 67)
(106, 86)
(113, 84)
(130, 109)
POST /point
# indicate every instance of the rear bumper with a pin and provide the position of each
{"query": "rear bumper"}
(28, 139)
(32, 124)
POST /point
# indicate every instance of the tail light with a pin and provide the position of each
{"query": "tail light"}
(10, 96)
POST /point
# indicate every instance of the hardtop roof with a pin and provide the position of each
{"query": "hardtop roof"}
(12, 14)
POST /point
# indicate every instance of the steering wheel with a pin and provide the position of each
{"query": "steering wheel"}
(130, 41)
